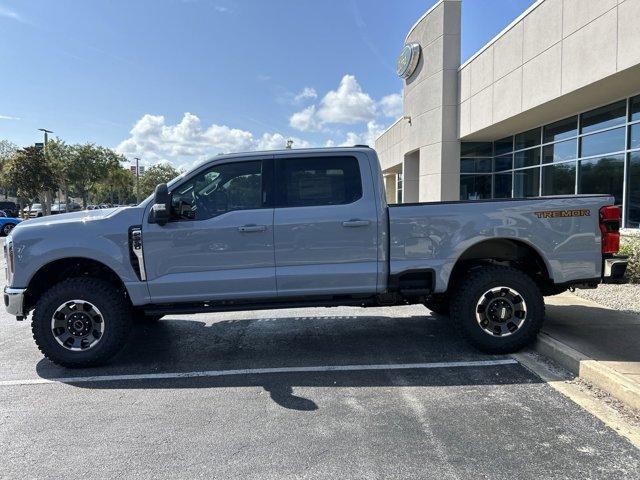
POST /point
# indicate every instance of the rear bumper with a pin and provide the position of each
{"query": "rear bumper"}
(14, 300)
(613, 269)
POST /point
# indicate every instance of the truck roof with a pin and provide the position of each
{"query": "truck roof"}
(296, 151)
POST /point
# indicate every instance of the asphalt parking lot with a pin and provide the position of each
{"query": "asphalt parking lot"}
(475, 416)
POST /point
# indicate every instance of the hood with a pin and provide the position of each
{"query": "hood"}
(81, 216)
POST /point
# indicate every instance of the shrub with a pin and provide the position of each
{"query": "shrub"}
(630, 245)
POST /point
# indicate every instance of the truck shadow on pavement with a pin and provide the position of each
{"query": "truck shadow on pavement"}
(187, 345)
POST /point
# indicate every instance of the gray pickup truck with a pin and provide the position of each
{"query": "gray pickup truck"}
(302, 228)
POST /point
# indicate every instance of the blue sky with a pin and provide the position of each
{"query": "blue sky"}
(180, 80)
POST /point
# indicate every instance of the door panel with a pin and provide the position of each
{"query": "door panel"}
(211, 259)
(324, 249)
(219, 244)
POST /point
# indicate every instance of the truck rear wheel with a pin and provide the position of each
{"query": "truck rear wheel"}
(81, 322)
(498, 309)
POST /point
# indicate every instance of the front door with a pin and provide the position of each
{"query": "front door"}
(325, 225)
(219, 242)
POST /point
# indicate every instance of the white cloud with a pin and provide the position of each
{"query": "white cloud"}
(5, 12)
(8, 117)
(306, 93)
(305, 120)
(348, 104)
(189, 142)
(391, 105)
(368, 137)
(221, 9)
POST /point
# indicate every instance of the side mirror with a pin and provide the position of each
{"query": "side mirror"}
(160, 210)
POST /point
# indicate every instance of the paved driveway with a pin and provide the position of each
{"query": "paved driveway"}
(325, 413)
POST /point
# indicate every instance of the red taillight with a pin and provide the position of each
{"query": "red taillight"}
(610, 228)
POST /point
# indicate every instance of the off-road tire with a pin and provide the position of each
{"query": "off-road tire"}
(471, 289)
(113, 306)
(438, 304)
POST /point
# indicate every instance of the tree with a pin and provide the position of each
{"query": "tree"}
(160, 173)
(58, 156)
(117, 187)
(7, 151)
(29, 173)
(87, 166)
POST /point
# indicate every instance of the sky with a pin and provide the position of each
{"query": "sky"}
(182, 80)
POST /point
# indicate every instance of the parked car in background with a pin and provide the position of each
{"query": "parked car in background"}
(64, 208)
(10, 208)
(34, 212)
(7, 224)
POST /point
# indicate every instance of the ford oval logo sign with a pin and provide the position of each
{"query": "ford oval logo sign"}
(408, 60)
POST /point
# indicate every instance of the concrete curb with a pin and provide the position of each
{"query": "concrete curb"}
(590, 370)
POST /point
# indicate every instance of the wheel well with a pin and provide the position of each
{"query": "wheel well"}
(503, 251)
(59, 270)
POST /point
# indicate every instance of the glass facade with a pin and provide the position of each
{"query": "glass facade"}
(595, 152)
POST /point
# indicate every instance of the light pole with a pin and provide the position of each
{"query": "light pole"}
(46, 140)
(137, 179)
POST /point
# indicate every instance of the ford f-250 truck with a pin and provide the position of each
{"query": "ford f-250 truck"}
(300, 228)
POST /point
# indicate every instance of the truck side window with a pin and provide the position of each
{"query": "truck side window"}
(303, 182)
(221, 189)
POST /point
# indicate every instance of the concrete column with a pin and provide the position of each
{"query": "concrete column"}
(391, 187)
(411, 171)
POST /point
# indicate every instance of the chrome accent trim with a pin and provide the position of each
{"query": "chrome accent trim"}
(136, 246)
(14, 300)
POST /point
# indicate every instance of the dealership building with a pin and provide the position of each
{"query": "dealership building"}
(550, 106)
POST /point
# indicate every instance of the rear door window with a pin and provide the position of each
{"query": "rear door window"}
(314, 181)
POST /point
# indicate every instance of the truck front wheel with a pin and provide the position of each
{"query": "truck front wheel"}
(498, 309)
(81, 322)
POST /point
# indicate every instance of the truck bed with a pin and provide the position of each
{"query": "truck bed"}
(563, 230)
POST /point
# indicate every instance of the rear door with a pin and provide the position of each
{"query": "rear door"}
(325, 225)
(219, 242)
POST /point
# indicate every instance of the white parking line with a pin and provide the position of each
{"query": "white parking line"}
(257, 371)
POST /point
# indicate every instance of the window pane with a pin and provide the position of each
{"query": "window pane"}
(603, 142)
(504, 145)
(633, 200)
(602, 175)
(604, 117)
(318, 181)
(502, 185)
(635, 108)
(476, 149)
(559, 152)
(561, 130)
(222, 188)
(559, 179)
(528, 139)
(527, 158)
(475, 165)
(504, 162)
(526, 183)
(634, 136)
(475, 187)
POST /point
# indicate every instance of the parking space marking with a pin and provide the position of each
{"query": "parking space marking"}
(258, 371)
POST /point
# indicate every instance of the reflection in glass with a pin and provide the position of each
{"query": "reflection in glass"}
(527, 158)
(602, 175)
(561, 130)
(634, 106)
(505, 162)
(527, 139)
(476, 149)
(634, 136)
(559, 152)
(633, 197)
(504, 145)
(559, 179)
(502, 185)
(475, 165)
(603, 142)
(475, 187)
(526, 183)
(603, 117)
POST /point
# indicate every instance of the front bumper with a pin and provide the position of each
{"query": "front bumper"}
(14, 300)
(614, 268)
